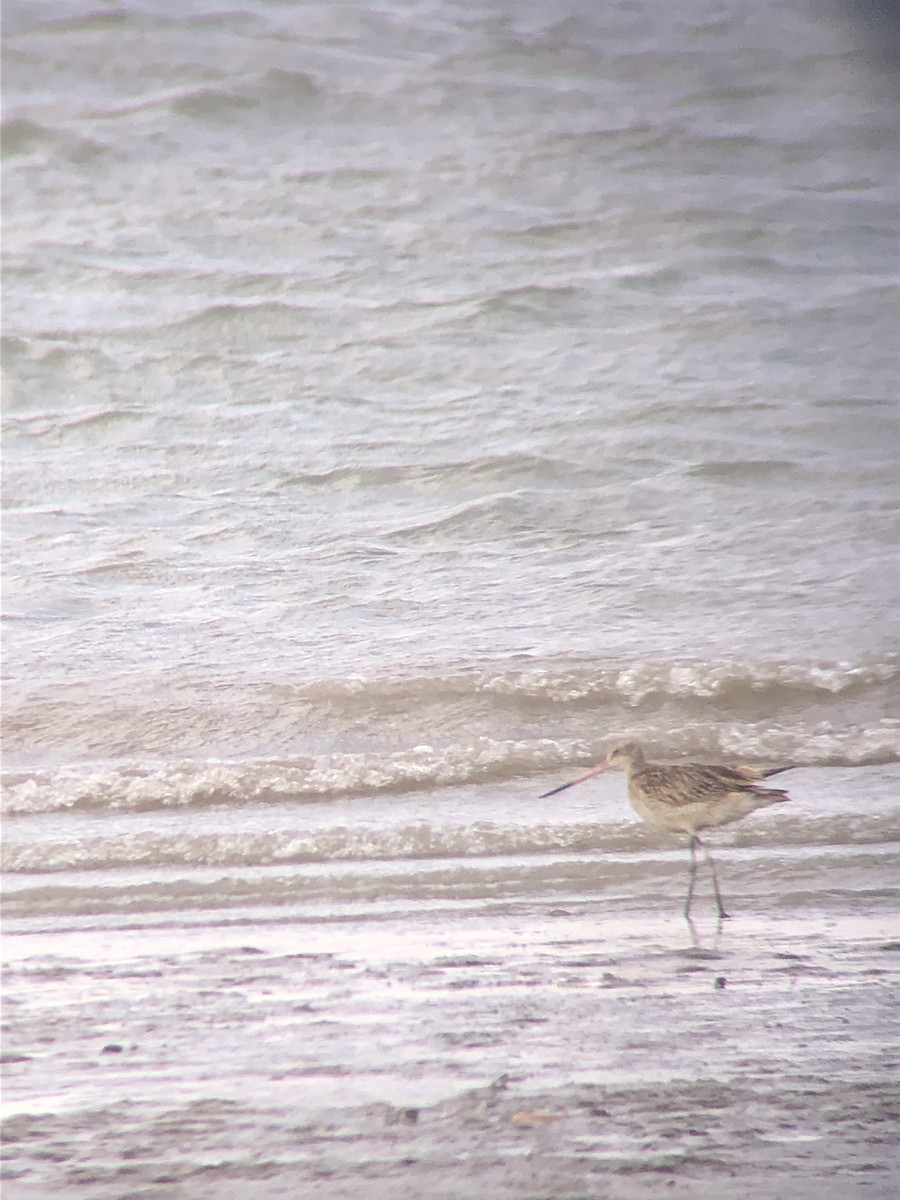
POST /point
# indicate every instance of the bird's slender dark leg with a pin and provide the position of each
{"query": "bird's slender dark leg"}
(690, 895)
(712, 866)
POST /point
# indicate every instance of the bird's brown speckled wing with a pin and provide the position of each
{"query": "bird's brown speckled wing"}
(693, 783)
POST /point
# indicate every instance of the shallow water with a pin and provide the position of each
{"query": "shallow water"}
(401, 403)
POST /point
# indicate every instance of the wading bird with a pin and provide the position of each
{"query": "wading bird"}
(688, 797)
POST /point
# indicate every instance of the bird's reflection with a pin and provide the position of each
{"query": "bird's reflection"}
(708, 948)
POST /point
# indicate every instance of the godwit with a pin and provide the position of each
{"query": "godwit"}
(688, 797)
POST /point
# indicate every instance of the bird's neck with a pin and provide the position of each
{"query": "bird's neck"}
(636, 762)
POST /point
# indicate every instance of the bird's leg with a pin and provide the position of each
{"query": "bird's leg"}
(690, 895)
(712, 866)
(695, 940)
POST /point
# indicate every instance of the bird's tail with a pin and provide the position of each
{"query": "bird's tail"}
(753, 773)
(768, 772)
(770, 795)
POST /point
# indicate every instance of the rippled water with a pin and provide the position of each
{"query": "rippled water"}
(401, 403)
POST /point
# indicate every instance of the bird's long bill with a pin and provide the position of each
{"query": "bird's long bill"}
(581, 778)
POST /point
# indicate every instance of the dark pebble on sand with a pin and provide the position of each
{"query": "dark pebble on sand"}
(402, 1116)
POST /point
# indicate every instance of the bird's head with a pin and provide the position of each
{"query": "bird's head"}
(625, 756)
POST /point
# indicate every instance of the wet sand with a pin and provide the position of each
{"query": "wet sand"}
(504, 1050)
